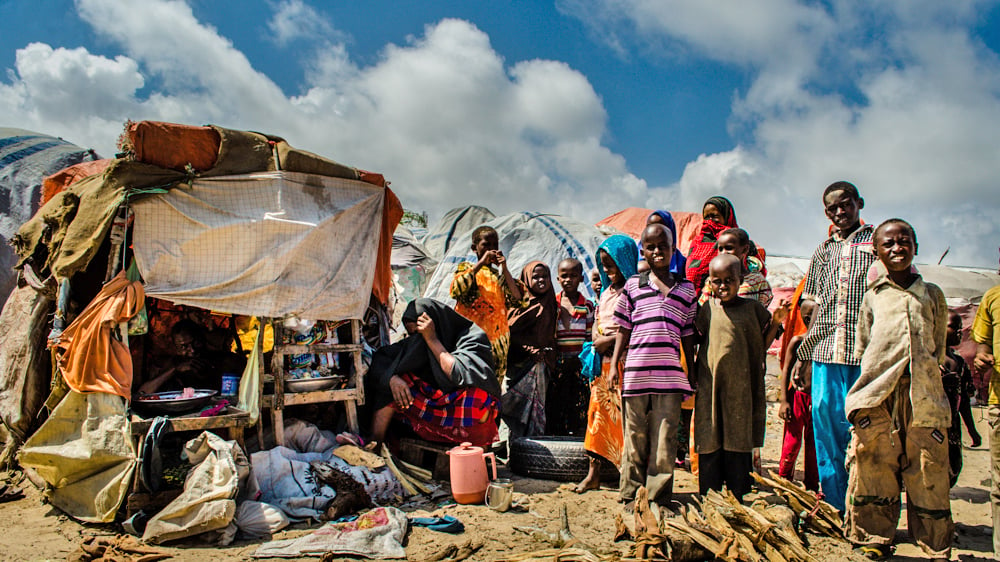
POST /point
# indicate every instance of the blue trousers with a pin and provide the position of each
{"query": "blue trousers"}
(830, 383)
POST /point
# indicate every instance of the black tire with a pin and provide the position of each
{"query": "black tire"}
(555, 458)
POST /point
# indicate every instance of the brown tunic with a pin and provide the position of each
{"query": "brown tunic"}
(730, 405)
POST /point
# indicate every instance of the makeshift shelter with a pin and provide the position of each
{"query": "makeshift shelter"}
(526, 237)
(632, 221)
(442, 236)
(26, 159)
(412, 267)
(233, 222)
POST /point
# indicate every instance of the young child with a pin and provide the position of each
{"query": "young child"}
(730, 406)
(532, 355)
(957, 380)
(796, 409)
(717, 215)
(486, 290)
(595, 282)
(835, 282)
(897, 408)
(617, 258)
(655, 315)
(736, 242)
(566, 413)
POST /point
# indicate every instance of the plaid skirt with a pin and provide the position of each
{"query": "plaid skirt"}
(463, 415)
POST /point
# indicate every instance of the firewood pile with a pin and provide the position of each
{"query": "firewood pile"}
(714, 526)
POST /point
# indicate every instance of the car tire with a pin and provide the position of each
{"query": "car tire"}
(555, 458)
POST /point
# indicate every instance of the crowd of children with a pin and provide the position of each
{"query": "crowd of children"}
(868, 383)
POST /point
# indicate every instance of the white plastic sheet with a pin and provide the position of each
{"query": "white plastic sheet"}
(267, 244)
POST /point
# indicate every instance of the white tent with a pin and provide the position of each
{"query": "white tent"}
(442, 236)
(526, 237)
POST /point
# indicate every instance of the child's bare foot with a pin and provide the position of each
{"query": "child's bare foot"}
(591, 482)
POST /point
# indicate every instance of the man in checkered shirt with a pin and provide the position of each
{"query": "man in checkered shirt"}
(836, 281)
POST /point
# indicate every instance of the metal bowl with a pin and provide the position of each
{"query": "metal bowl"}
(308, 385)
(172, 403)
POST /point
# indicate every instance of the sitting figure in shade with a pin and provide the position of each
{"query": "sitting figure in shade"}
(193, 365)
(440, 379)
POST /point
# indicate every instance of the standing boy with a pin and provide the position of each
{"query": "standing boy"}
(566, 413)
(986, 333)
(897, 407)
(836, 283)
(656, 314)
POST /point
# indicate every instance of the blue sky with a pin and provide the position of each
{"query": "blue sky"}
(578, 107)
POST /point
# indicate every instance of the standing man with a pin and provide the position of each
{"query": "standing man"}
(836, 282)
(986, 333)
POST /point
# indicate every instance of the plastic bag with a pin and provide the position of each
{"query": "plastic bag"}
(590, 362)
(258, 519)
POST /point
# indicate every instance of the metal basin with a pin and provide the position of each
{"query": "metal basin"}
(172, 403)
(308, 385)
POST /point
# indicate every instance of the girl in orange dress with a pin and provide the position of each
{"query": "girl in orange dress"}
(484, 295)
(617, 259)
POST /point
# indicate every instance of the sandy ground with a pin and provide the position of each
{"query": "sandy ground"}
(34, 530)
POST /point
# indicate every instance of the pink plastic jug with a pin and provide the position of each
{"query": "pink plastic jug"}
(469, 478)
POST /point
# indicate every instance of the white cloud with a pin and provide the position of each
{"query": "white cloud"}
(917, 135)
(442, 115)
(295, 20)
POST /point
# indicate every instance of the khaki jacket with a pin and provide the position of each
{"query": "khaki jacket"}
(902, 331)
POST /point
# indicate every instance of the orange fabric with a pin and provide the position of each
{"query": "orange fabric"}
(794, 325)
(392, 212)
(632, 221)
(372, 178)
(174, 146)
(88, 357)
(605, 435)
(54, 184)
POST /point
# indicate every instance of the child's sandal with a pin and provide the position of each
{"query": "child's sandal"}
(874, 552)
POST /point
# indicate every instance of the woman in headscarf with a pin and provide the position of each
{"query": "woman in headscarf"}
(678, 263)
(717, 215)
(440, 379)
(532, 354)
(617, 260)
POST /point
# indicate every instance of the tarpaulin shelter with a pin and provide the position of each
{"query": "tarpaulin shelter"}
(26, 159)
(229, 221)
(632, 221)
(412, 267)
(441, 236)
(526, 237)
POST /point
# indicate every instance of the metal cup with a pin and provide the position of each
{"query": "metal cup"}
(500, 494)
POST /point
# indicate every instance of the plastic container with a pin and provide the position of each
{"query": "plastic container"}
(230, 385)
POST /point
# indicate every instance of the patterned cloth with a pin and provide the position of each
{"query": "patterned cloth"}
(571, 335)
(484, 298)
(468, 414)
(836, 281)
(658, 322)
(605, 436)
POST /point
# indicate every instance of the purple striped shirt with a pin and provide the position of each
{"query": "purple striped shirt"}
(658, 322)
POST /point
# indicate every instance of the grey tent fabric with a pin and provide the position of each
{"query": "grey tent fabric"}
(441, 237)
(27, 158)
(526, 237)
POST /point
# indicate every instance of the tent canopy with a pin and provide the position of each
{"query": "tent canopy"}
(632, 221)
(442, 236)
(526, 237)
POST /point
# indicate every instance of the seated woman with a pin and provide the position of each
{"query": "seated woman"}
(440, 379)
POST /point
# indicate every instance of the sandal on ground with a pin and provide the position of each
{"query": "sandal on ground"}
(874, 552)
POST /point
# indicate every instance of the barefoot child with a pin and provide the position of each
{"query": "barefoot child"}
(730, 406)
(957, 380)
(617, 258)
(897, 408)
(655, 315)
(796, 409)
(486, 290)
(566, 412)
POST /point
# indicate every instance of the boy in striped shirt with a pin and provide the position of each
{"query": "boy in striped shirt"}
(568, 414)
(656, 315)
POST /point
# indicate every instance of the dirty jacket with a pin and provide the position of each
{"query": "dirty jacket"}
(902, 331)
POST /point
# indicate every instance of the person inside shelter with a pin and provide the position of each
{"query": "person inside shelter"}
(193, 364)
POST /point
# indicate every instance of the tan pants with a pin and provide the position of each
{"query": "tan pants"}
(994, 417)
(650, 445)
(886, 449)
